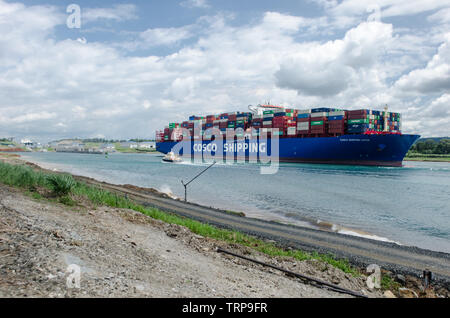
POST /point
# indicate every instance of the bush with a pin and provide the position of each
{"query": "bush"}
(61, 185)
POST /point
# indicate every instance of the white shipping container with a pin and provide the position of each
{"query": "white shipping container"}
(315, 115)
(303, 125)
(304, 111)
(340, 113)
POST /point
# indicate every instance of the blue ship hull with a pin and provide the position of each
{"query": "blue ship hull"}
(369, 150)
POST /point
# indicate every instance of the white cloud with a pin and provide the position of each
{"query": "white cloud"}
(330, 68)
(440, 107)
(388, 8)
(442, 16)
(118, 12)
(165, 36)
(203, 4)
(347, 13)
(63, 88)
(434, 78)
(30, 117)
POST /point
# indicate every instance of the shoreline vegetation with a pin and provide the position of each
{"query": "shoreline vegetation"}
(430, 149)
(62, 188)
(427, 157)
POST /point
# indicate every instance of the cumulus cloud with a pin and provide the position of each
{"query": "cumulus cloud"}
(329, 68)
(440, 108)
(53, 88)
(434, 78)
(165, 36)
(346, 13)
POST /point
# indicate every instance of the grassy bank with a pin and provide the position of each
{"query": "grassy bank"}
(66, 190)
(412, 156)
(132, 150)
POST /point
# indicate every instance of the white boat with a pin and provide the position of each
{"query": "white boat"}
(171, 157)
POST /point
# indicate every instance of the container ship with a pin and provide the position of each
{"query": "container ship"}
(318, 135)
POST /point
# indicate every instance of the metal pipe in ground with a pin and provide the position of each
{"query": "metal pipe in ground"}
(316, 282)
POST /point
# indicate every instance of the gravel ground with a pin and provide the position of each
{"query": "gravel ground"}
(125, 254)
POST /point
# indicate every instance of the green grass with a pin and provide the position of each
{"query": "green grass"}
(61, 185)
(27, 178)
(21, 176)
(388, 283)
(119, 148)
(414, 156)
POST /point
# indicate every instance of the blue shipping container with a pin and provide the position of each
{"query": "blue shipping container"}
(322, 110)
(336, 118)
(358, 128)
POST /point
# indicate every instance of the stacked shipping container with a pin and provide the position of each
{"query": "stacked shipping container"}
(318, 122)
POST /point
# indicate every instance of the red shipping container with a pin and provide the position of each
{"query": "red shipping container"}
(337, 131)
(318, 129)
(336, 123)
(350, 117)
(362, 112)
(324, 119)
(303, 120)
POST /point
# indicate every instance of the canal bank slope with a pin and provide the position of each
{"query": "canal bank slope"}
(358, 251)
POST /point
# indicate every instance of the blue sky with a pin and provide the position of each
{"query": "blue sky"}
(133, 66)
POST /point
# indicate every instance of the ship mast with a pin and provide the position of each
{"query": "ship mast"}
(386, 108)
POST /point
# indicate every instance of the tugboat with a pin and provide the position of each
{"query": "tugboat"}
(171, 157)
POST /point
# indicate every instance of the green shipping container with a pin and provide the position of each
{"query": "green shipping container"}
(358, 121)
(317, 123)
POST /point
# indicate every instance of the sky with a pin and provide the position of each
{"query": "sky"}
(130, 68)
